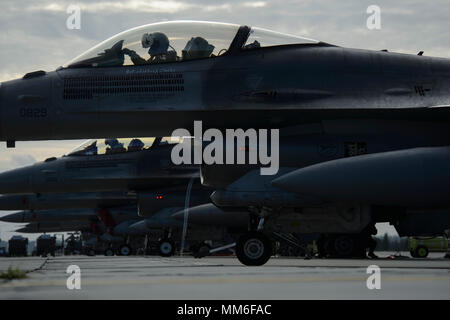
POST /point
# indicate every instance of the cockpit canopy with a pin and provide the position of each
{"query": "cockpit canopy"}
(178, 41)
(121, 145)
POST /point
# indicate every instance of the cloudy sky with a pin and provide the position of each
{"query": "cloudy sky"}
(34, 35)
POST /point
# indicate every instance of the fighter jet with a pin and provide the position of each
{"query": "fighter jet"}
(51, 216)
(61, 226)
(152, 79)
(243, 192)
(110, 225)
(341, 182)
(66, 220)
(103, 174)
(105, 165)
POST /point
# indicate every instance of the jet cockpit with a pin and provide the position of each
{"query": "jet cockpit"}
(176, 41)
(121, 145)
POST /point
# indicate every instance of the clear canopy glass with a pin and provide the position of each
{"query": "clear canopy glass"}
(160, 42)
(176, 41)
(121, 145)
(267, 38)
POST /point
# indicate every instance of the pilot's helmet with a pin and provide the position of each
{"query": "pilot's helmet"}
(135, 144)
(114, 143)
(156, 41)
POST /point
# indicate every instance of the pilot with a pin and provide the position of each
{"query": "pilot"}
(135, 145)
(158, 45)
(114, 146)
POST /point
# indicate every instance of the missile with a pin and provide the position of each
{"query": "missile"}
(50, 215)
(411, 177)
(55, 227)
(253, 189)
(65, 200)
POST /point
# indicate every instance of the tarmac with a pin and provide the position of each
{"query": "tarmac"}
(181, 278)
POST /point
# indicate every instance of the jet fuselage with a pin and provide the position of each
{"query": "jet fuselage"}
(270, 87)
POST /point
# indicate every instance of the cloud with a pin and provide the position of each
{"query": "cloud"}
(22, 159)
(256, 4)
(114, 6)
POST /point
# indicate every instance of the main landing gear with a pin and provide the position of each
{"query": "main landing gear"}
(254, 248)
(166, 246)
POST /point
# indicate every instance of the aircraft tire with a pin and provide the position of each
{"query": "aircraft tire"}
(125, 250)
(166, 247)
(109, 252)
(344, 245)
(253, 249)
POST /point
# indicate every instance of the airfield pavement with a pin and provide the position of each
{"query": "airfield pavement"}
(153, 277)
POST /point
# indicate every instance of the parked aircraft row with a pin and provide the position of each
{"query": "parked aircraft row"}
(364, 136)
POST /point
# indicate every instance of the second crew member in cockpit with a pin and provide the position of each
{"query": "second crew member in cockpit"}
(114, 146)
(158, 45)
(135, 145)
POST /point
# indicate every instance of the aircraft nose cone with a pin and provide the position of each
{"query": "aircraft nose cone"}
(16, 217)
(16, 181)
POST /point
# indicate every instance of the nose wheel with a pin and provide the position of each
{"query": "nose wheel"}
(253, 249)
